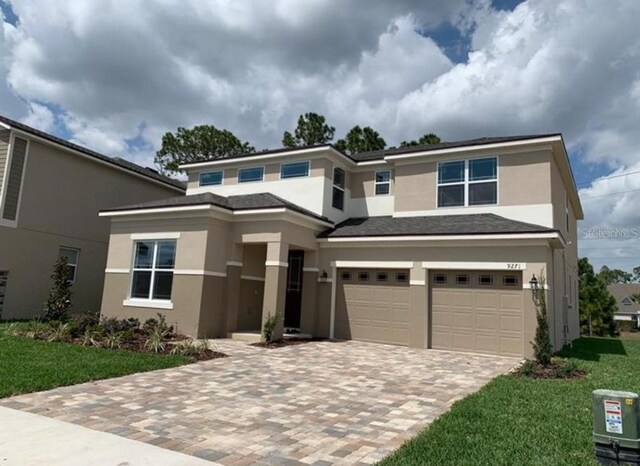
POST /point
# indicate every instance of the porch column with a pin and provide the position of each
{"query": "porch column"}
(275, 284)
(234, 270)
(419, 317)
(309, 306)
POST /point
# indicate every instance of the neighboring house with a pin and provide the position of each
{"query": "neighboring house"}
(50, 194)
(429, 247)
(628, 307)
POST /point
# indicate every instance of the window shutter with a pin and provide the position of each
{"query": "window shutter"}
(14, 179)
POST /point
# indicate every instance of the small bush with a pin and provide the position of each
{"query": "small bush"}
(528, 368)
(13, 330)
(113, 340)
(269, 326)
(156, 341)
(566, 369)
(82, 321)
(160, 324)
(92, 336)
(115, 325)
(191, 348)
(58, 302)
(36, 329)
(59, 332)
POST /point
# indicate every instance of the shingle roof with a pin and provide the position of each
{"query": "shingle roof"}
(116, 161)
(380, 154)
(624, 290)
(472, 224)
(233, 203)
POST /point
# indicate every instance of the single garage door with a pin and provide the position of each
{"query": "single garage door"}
(477, 311)
(373, 305)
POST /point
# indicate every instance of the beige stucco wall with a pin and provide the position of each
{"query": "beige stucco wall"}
(363, 183)
(523, 178)
(61, 196)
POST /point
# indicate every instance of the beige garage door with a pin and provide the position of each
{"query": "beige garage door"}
(477, 311)
(373, 305)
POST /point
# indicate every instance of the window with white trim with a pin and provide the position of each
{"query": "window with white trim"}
(402, 277)
(485, 280)
(510, 280)
(462, 279)
(440, 278)
(337, 199)
(382, 276)
(294, 170)
(383, 182)
(211, 178)
(246, 175)
(463, 183)
(72, 255)
(153, 266)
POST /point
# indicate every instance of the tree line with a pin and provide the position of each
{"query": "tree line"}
(597, 305)
(206, 142)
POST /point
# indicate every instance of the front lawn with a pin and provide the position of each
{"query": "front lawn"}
(516, 420)
(28, 365)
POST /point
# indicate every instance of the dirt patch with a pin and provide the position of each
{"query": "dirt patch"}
(285, 342)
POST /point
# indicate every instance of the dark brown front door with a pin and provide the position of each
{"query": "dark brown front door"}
(293, 301)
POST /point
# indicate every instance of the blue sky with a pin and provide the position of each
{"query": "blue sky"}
(116, 77)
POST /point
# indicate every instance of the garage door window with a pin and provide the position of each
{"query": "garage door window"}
(485, 280)
(510, 280)
(402, 277)
(363, 276)
(462, 279)
(382, 276)
(440, 279)
(345, 276)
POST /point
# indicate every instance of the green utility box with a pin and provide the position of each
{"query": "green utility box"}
(616, 427)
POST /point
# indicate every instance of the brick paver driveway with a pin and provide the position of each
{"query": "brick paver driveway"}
(319, 403)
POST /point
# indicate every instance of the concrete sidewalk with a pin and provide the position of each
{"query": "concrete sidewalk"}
(29, 440)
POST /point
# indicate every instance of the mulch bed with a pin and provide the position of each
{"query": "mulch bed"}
(554, 370)
(285, 342)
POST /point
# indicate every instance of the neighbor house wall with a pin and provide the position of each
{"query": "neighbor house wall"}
(61, 195)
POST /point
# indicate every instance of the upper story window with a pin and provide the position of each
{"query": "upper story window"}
(72, 256)
(468, 182)
(339, 176)
(246, 175)
(153, 265)
(383, 182)
(211, 178)
(294, 170)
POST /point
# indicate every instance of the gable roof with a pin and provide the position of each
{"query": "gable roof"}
(620, 291)
(381, 154)
(470, 224)
(257, 201)
(115, 161)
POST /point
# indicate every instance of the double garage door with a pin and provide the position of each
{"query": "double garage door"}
(476, 311)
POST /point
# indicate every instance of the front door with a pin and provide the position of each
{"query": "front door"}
(293, 301)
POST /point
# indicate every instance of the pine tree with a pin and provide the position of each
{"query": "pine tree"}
(542, 341)
(59, 300)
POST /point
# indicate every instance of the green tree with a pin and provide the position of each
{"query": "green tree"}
(636, 274)
(59, 301)
(361, 140)
(610, 276)
(429, 138)
(197, 144)
(542, 340)
(597, 305)
(312, 130)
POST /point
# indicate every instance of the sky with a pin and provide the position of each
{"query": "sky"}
(114, 76)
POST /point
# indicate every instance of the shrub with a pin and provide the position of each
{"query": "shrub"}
(269, 326)
(59, 332)
(566, 369)
(59, 301)
(82, 321)
(113, 340)
(528, 368)
(114, 325)
(542, 341)
(92, 336)
(156, 340)
(191, 348)
(36, 329)
(160, 324)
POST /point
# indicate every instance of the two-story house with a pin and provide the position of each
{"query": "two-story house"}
(50, 194)
(431, 246)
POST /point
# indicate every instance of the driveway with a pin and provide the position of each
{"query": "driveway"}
(318, 403)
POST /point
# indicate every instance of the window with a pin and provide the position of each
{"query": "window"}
(245, 175)
(440, 278)
(211, 178)
(72, 256)
(382, 276)
(485, 280)
(363, 276)
(627, 301)
(153, 265)
(462, 279)
(402, 277)
(345, 276)
(468, 182)
(337, 200)
(510, 280)
(294, 170)
(383, 182)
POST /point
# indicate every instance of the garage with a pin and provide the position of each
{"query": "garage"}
(373, 305)
(476, 311)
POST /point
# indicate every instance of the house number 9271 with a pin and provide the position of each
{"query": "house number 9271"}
(514, 266)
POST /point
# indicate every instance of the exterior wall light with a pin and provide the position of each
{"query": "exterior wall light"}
(535, 289)
(324, 277)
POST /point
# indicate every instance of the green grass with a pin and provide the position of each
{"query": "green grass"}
(28, 365)
(515, 420)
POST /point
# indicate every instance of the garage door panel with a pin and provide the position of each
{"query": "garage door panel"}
(474, 317)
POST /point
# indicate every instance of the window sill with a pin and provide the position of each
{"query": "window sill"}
(150, 303)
